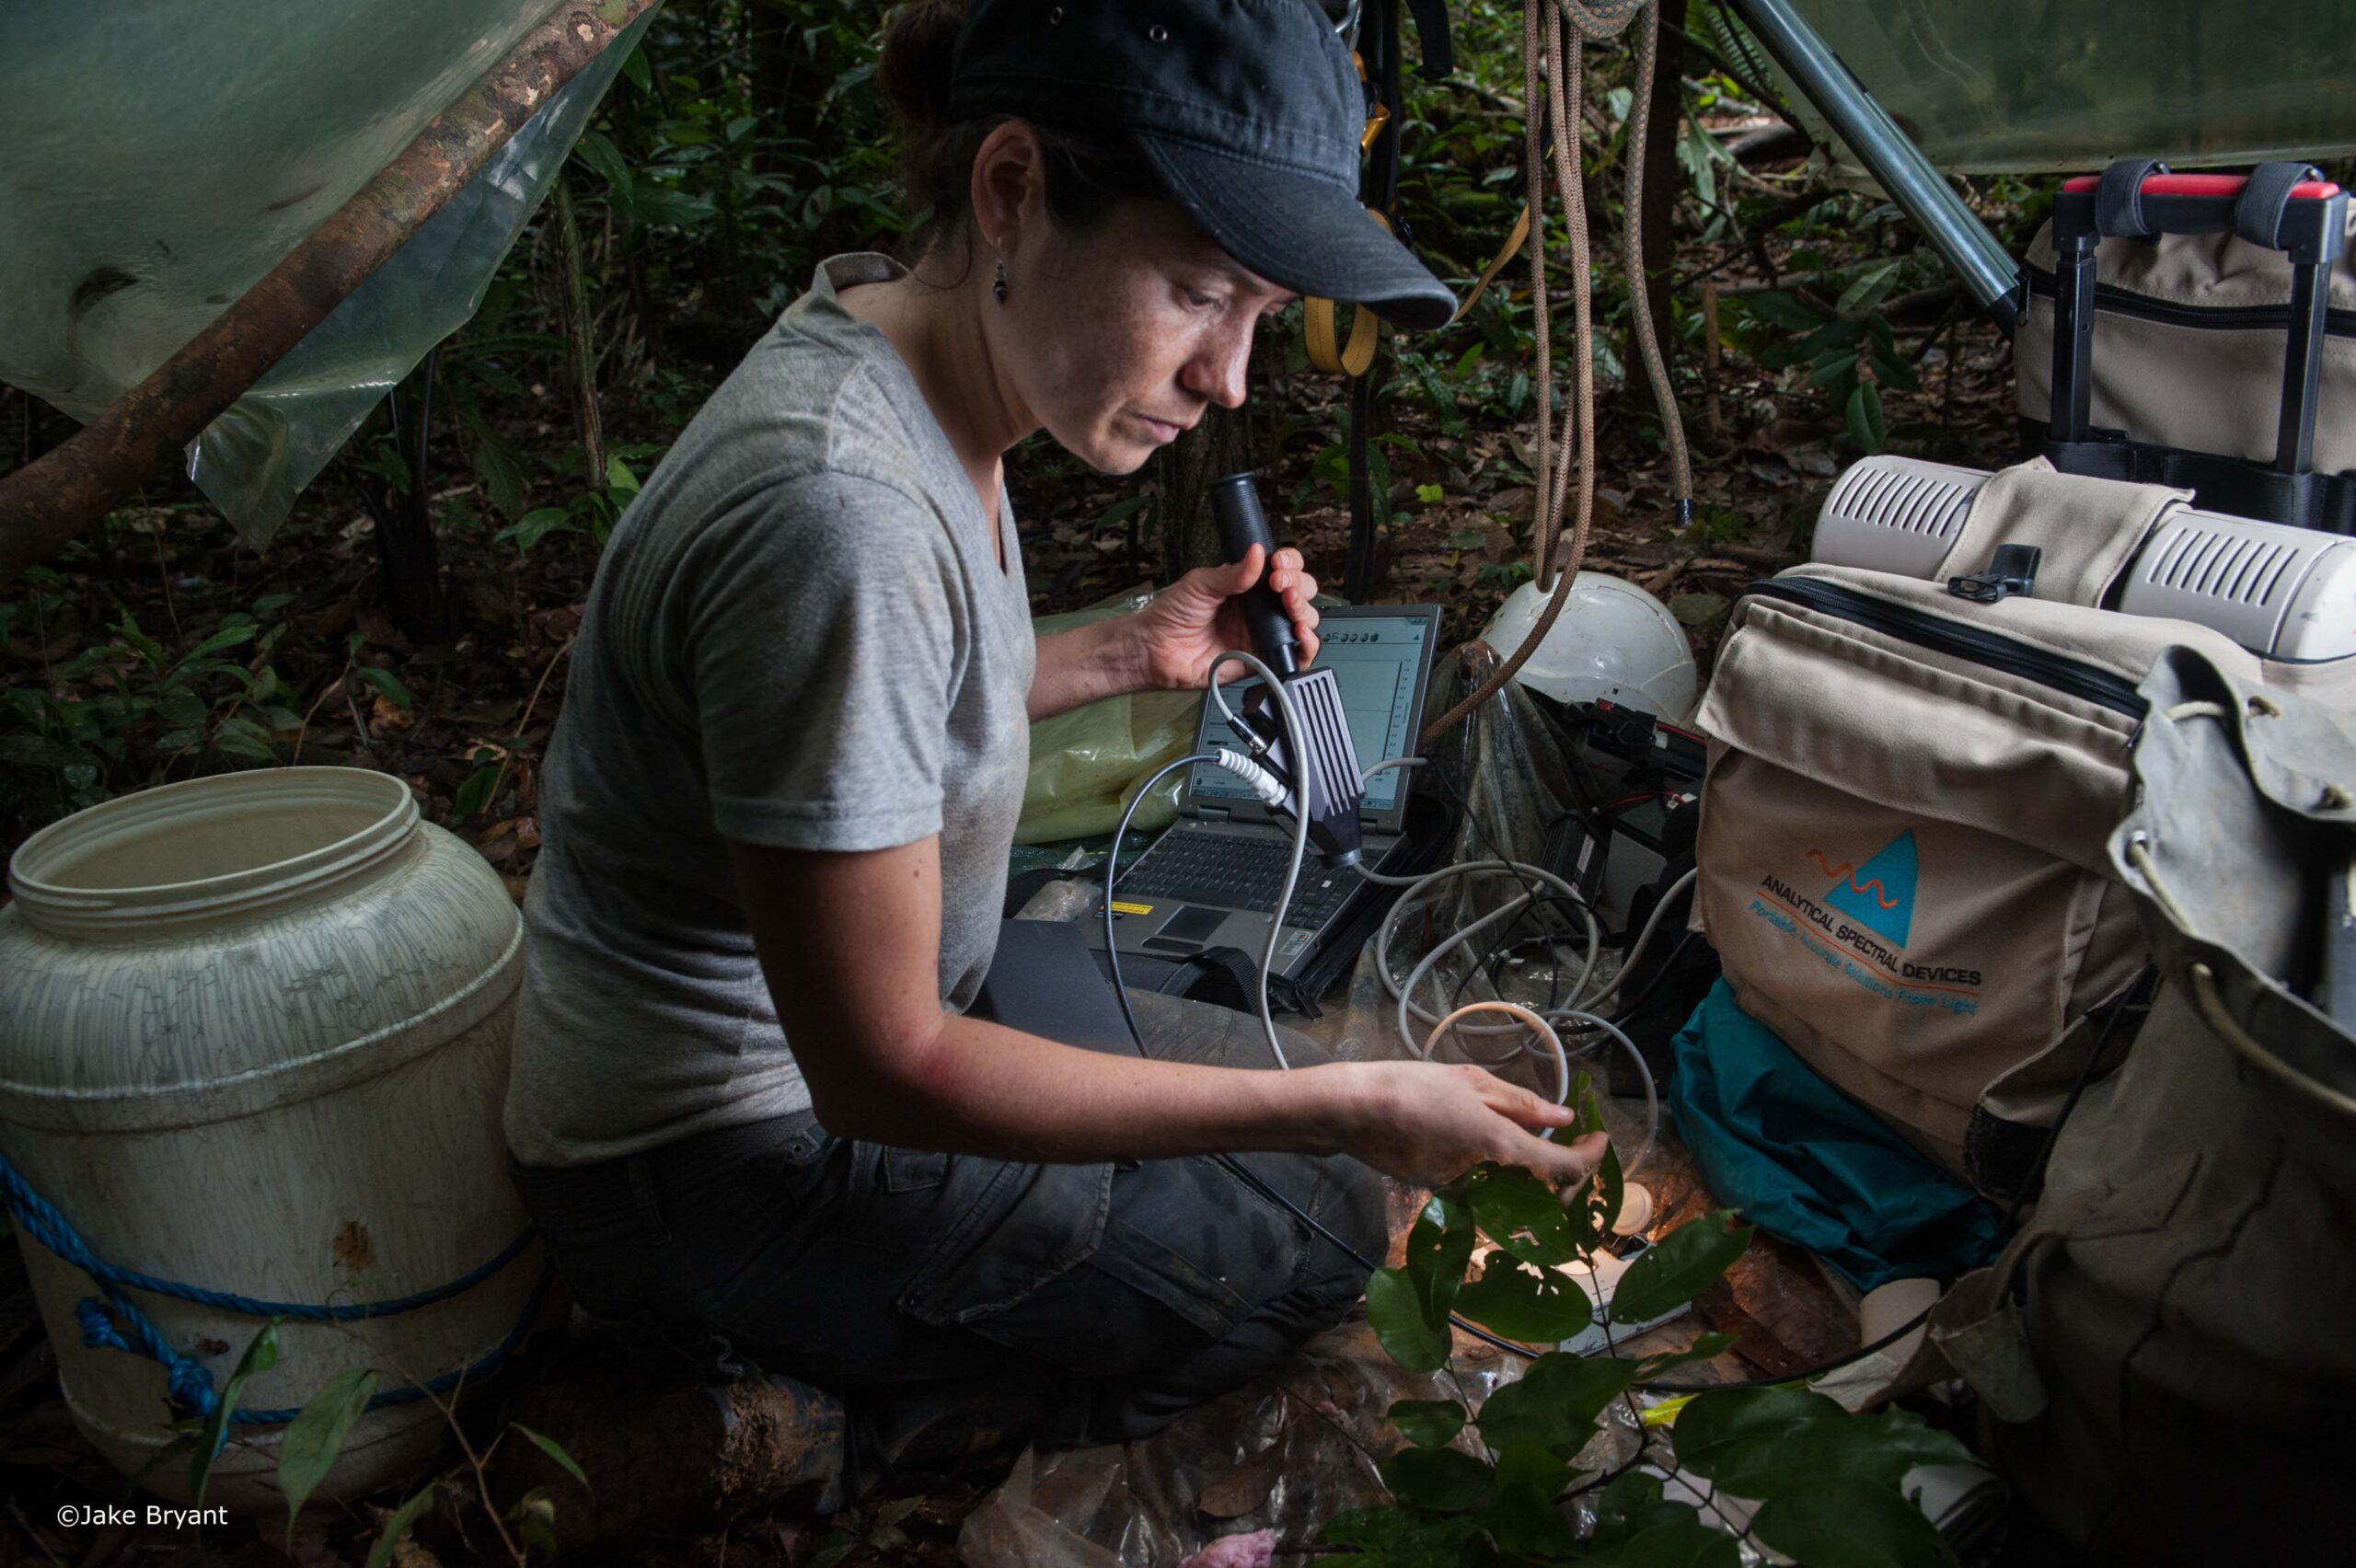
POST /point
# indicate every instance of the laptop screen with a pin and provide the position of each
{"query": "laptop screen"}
(1380, 661)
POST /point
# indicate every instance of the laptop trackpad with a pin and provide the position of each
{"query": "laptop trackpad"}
(1192, 924)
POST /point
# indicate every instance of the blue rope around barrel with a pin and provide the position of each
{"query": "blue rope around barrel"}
(116, 1322)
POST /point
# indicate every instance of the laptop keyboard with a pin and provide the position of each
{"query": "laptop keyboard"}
(1238, 871)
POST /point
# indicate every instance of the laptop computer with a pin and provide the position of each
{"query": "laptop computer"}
(1211, 880)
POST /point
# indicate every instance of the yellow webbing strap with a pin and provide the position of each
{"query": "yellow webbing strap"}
(1318, 333)
(1489, 273)
(1326, 351)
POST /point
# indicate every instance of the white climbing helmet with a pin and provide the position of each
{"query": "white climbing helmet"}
(1613, 642)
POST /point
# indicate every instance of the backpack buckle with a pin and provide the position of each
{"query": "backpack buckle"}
(2012, 569)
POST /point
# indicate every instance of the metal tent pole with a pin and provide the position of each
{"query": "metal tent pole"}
(1987, 268)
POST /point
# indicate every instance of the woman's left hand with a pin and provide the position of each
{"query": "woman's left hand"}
(1198, 618)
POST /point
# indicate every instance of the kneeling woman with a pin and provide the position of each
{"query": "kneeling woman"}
(747, 1104)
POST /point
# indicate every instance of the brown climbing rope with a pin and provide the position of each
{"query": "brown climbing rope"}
(1547, 40)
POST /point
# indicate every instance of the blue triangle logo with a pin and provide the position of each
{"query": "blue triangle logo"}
(1879, 894)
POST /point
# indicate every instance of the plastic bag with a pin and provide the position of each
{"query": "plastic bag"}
(163, 155)
(1085, 764)
(1285, 1454)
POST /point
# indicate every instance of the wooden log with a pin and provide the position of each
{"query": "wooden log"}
(655, 1453)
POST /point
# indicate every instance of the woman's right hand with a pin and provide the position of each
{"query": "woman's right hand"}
(1429, 1123)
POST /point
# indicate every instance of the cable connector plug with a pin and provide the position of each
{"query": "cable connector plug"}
(1265, 784)
(1248, 733)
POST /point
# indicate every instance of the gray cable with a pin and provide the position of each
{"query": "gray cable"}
(1299, 831)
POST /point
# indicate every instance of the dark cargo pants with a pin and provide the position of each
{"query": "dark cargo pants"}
(1080, 1303)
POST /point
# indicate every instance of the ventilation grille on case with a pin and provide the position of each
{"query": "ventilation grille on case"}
(2218, 565)
(1896, 514)
(1908, 500)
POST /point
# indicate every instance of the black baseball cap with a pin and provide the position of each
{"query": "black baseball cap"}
(1249, 110)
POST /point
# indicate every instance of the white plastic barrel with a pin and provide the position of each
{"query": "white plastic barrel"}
(254, 1038)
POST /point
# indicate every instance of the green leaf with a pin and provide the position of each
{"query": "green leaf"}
(1629, 1493)
(1773, 1442)
(146, 647)
(261, 1356)
(1832, 342)
(1676, 1543)
(538, 524)
(554, 1450)
(661, 205)
(1521, 1214)
(36, 751)
(1427, 1424)
(1439, 1246)
(1555, 1402)
(227, 636)
(1867, 427)
(1678, 1267)
(620, 479)
(1610, 1196)
(535, 1518)
(600, 154)
(1523, 1516)
(635, 67)
(389, 684)
(1523, 1303)
(1783, 310)
(1836, 366)
(1395, 1307)
(1446, 1480)
(315, 1436)
(495, 462)
(1851, 1524)
(398, 1525)
(240, 736)
(1430, 495)
(736, 129)
(474, 793)
(1868, 289)
(1895, 373)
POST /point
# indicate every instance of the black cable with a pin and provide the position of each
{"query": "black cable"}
(1628, 1009)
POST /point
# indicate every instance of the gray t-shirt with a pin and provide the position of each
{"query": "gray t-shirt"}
(798, 635)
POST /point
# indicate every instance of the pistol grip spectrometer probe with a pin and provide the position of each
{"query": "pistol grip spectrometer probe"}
(1322, 785)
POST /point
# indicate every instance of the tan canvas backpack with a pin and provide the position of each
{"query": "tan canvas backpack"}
(1901, 851)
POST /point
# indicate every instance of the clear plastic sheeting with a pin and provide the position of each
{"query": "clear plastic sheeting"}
(1285, 1454)
(1988, 86)
(1084, 762)
(161, 156)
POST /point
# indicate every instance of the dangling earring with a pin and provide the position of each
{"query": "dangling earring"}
(997, 284)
